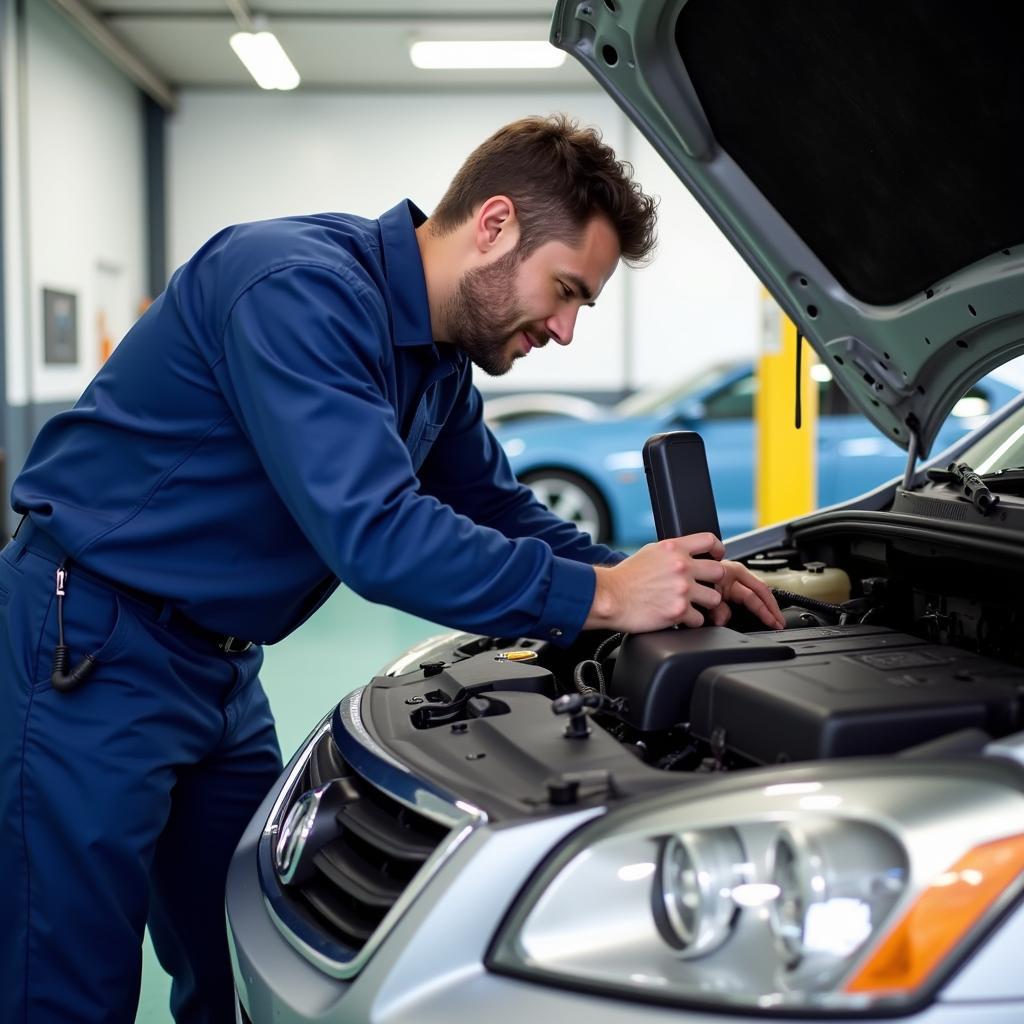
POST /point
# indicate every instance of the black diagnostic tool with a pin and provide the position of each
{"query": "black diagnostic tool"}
(680, 485)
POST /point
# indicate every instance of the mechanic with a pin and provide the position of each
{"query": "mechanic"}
(294, 410)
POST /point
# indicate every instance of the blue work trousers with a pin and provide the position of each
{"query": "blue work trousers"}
(121, 801)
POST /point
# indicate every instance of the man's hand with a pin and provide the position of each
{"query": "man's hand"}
(741, 586)
(659, 586)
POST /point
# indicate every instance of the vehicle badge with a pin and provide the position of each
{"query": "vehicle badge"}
(311, 822)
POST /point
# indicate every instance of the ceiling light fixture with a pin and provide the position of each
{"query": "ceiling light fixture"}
(265, 59)
(489, 54)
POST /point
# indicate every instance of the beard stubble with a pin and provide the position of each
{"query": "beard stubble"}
(483, 314)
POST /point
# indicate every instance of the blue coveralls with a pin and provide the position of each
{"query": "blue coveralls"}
(279, 419)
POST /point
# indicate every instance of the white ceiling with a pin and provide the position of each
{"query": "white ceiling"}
(335, 44)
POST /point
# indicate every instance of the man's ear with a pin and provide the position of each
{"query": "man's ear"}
(496, 227)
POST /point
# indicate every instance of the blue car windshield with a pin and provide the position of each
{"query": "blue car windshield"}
(1000, 448)
(658, 400)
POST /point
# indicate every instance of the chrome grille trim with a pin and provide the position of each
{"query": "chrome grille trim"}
(376, 767)
(350, 718)
(389, 775)
(414, 655)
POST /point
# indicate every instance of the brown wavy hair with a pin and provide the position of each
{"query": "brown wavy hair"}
(559, 176)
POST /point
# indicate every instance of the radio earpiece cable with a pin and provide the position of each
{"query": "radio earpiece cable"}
(64, 681)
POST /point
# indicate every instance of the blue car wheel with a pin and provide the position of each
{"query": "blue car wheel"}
(574, 498)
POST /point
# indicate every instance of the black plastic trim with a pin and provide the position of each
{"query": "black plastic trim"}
(982, 539)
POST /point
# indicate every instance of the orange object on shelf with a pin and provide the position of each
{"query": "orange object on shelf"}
(106, 342)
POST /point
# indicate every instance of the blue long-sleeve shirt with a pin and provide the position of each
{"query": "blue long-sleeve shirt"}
(279, 419)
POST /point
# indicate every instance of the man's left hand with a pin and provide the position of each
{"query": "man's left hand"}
(741, 586)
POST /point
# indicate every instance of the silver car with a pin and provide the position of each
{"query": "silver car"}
(725, 824)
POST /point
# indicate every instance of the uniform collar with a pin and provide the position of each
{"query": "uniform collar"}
(407, 289)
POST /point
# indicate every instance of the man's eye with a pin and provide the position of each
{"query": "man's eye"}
(565, 290)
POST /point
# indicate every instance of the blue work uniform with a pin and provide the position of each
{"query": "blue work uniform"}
(278, 420)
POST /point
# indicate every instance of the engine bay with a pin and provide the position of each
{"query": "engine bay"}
(903, 638)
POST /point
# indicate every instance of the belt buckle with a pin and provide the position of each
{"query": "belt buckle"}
(233, 645)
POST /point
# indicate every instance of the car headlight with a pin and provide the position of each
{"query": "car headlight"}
(695, 869)
(855, 893)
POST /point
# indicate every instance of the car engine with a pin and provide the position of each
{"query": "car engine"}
(903, 638)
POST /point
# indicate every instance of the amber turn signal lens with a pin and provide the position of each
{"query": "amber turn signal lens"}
(940, 918)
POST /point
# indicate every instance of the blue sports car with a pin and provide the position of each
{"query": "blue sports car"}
(591, 471)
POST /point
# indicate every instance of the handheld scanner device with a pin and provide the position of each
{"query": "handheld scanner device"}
(680, 485)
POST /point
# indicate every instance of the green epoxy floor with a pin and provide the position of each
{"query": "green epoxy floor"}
(340, 648)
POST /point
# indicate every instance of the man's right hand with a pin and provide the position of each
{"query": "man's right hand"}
(659, 586)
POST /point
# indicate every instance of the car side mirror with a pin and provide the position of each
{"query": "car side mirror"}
(687, 415)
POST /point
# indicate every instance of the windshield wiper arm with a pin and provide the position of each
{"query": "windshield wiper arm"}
(971, 485)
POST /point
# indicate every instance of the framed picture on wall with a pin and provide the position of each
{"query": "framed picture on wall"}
(60, 327)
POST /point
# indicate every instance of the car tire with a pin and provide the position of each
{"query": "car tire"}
(573, 498)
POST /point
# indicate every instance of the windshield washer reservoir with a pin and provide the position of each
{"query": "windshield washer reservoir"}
(815, 579)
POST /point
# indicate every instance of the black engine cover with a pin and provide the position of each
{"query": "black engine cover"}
(852, 691)
(656, 672)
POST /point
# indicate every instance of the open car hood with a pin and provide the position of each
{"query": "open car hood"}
(865, 158)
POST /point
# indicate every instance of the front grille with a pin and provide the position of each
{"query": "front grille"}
(360, 875)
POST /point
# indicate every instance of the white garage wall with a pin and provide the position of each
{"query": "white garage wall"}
(235, 156)
(698, 303)
(10, 210)
(80, 200)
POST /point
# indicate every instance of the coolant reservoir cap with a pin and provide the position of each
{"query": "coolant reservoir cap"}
(768, 564)
(815, 567)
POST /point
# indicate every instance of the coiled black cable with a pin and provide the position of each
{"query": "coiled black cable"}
(63, 680)
(810, 603)
(593, 666)
(582, 686)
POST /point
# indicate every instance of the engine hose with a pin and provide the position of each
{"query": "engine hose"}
(594, 666)
(606, 645)
(810, 603)
(582, 686)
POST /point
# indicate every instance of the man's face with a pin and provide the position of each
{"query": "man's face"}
(505, 309)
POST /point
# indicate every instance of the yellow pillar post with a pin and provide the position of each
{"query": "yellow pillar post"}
(785, 470)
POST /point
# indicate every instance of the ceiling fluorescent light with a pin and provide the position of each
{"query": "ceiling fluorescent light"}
(265, 59)
(492, 54)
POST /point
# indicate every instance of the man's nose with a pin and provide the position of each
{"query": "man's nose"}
(561, 326)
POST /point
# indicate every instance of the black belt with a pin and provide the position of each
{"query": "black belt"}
(37, 540)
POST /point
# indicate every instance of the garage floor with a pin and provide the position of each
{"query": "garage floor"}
(340, 648)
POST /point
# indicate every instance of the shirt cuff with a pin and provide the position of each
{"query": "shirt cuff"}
(568, 603)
